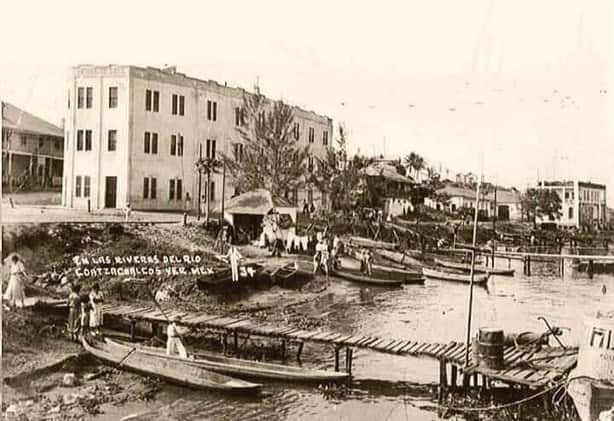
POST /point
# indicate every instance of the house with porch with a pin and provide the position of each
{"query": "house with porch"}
(32, 150)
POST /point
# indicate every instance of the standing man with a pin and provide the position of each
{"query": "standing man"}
(235, 258)
(174, 345)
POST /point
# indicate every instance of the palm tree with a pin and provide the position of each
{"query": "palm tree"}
(208, 166)
(415, 162)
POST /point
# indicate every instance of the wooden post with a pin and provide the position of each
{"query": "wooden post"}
(562, 267)
(283, 350)
(509, 262)
(299, 352)
(590, 269)
(453, 376)
(442, 381)
(132, 330)
(529, 265)
(236, 341)
(225, 342)
(351, 357)
(336, 359)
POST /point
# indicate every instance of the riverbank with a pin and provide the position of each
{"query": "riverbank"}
(37, 356)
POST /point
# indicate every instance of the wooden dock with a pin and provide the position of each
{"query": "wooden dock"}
(526, 367)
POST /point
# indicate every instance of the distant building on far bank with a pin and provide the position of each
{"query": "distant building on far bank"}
(32, 150)
(583, 204)
(505, 203)
(134, 134)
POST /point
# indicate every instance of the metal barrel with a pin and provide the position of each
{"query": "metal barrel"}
(489, 348)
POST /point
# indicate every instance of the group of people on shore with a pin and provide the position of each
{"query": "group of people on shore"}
(326, 255)
(85, 313)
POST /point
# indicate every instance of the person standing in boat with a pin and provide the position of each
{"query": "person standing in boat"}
(324, 256)
(96, 300)
(234, 257)
(174, 346)
(86, 308)
(369, 262)
(74, 312)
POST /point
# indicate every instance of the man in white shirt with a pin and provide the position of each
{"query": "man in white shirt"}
(174, 345)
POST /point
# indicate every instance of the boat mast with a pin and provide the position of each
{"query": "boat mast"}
(472, 273)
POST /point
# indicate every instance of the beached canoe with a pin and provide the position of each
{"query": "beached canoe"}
(172, 369)
(477, 269)
(251, 369)
(401, 258)
(367, 242)
(454, 276)
(349, 268)
(383, 270)
(357, 276)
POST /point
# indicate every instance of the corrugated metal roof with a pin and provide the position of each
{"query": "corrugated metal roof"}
(17, 119)
(503, 196)
(255, 202)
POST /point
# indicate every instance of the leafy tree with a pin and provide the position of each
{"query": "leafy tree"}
(272, 157)
(208, 166)
(540, 203)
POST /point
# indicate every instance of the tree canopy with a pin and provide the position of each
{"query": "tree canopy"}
(271, 156)
(540, 203)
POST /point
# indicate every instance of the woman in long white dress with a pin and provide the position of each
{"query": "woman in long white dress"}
(15, 290)
(96, 300)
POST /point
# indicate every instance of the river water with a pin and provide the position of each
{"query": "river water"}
(401, 388)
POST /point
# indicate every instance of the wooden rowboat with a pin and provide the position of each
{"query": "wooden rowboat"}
(172, 369)
(477, 269)
(357, 276)
(454, 276)
(367, 242)
(402, 258)
(251, 369)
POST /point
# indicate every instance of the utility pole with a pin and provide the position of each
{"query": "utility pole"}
(222, 212)
(200, 178)
(494, 219)
(472, 273)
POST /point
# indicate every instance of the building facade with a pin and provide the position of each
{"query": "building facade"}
(505, 204)
(133, 136)
(32, 150)
(583, 204)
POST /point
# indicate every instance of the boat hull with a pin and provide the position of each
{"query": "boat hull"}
(477, 269)
(254, 369)
(455, 277)
(173, 370)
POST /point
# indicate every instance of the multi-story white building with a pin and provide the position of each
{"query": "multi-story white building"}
(134, 134)
(582, 204)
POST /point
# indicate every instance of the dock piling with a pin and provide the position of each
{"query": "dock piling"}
(299, 352)
(590, 269)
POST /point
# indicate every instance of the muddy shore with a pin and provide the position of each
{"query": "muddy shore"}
(47, 376)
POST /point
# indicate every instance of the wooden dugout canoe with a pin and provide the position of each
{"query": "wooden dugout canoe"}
(477, 269)
(250, 369)
(367, 242)
(454, 276)
(172, 369)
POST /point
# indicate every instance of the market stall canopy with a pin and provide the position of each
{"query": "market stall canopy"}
(256, 202)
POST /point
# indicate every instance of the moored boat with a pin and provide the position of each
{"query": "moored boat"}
(349, 269)
(405, 258)
(477, 269)
(454, 276)
(172, 369)
(367, 242)
(251, 369)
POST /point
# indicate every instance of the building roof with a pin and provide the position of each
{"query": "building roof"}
(503, 195)
(386, 170)
(256, 202)
(17, 119)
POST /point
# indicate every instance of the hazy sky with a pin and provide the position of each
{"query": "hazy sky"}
(518, 88)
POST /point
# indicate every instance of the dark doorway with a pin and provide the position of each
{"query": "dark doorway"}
(110, 197)
(503, 213)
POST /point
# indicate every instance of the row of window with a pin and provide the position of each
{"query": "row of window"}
(82, 182)
(85, 97)
(175, 189)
